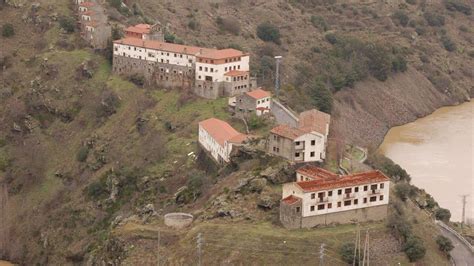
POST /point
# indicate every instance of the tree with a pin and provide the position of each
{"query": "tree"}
(321, 96)
(8, 30)
(414, 248)
(347, 252)
(67, 23)
(268, 33)
(444, 244)
(443, 214)
(403, 190)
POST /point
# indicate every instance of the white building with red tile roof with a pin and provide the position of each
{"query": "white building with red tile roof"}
(213, 73)
(257, 102)
(321, 197)
(145, 32)
(219, 138)
(305, 143)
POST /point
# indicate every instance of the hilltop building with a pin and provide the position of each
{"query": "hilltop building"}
(210, 73)
(319, 197)
(219, 138)
(93, 24)
(305, 143)
(145, 32)
(257, 102)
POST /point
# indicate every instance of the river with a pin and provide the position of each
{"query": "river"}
(437, 151)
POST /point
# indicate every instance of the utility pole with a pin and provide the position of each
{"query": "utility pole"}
(199, 248)
(321, 254)
(463, 209)
(158, 248)
(356, 247)
(277, 76)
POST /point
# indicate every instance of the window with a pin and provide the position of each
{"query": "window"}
(329, 205)
(212, 69)
(190, 61)
(312, 208)
(321, 195)
(313, 195)
(311, 154)
(356, 201)
(297, 209)
(373, 187)
(205, 69)
(339, 192)
(381, 197)
(365, 188)
(347, 203)
(225, 69)
(372, 199)
(329, 193)
(297, 143)
(313, 142)
(297, 154)
(381, 185)
(356, 189)
(200, 68)
(365, 200)
(339, 204)
(348, 190)
(321, 207)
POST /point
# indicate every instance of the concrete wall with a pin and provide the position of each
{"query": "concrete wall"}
(309, 152)
(281, 146)
(361, 215)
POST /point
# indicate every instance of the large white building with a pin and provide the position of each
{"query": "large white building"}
(219, 138)
(321, 197)
(211, 73)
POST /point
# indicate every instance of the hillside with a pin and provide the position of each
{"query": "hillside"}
(80, 146)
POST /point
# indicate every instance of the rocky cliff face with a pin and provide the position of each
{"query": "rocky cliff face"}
(364, 114)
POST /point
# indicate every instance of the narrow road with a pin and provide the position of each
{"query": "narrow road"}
(461, 254)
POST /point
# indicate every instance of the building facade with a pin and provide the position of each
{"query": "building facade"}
(210, 73)
(93, 24)
(219, 139)
(257, 102)
(305, 143)
(325, 198)
(145, 32)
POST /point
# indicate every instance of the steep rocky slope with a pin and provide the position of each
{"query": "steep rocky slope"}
(80, 146)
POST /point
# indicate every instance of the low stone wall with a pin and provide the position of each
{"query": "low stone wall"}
(178, 220)
(375, 213)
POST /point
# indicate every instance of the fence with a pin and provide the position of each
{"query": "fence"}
(460, 237)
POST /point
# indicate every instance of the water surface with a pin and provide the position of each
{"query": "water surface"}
(437, 151)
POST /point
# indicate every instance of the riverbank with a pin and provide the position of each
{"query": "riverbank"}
(437, 152)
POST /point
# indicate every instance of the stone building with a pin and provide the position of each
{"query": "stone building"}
(218, 138)
(305, 143)
(257, 102)
(324, 198)
(93, 24)
(210, 73)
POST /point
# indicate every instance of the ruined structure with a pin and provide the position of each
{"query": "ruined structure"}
(93, 24)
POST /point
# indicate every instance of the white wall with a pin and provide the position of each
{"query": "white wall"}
(154, 55)
(213, 147)
(318, 148)
(263, 103)
(218, 70)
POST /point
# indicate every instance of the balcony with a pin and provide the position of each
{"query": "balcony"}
(349, 196)
(374, 192)
(322, 200)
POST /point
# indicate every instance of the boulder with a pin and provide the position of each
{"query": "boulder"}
(279, 174)
(265, 202)
(257, 184)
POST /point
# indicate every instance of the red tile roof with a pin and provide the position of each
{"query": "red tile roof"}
(288, 132)
(315, 172)
(163, 46)
(139, 28)
(87, 4)
(221, 131)
(222, 54)
(291, 199)
(314, 120)
(258, 94)
(343, 181)
(235, 73)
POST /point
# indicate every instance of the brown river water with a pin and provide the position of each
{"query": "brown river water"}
(437, 151)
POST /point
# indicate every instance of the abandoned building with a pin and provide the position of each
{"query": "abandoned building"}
(93, 24)
(145, 32)
(305, 143)
(253, 102)
(210, 73)
(324, 198)
(219, 138)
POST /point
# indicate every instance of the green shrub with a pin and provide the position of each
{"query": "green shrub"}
(319, 22)
(8, 30)
(458, 5)
(347, 252)
(414, 248)
(448, 43)
(229, 25)
(401, 17)
(443, 214)
(98, 189)
(255, 122)
(411, 2)
(321, 96)
(116, 3)
(82, 154)
(434, 19)
(4, 161)
(268, 33)
(193, 24)
(389, 167)
(420, 30)
(67, 24)
(170, 37)
(403, 191)
(444, 244)
(399, 64)
(331, 38)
